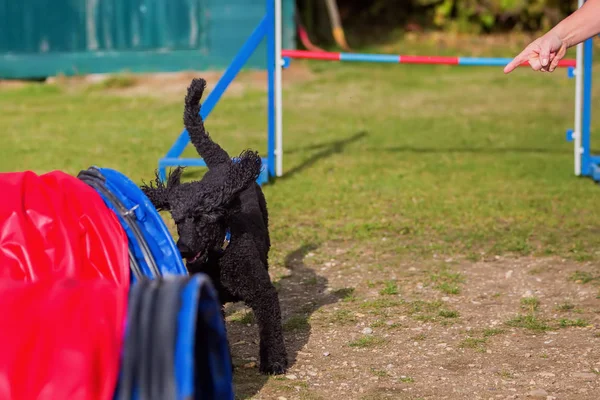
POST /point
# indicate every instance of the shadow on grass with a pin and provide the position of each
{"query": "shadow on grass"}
(301, 293)
(325, 150)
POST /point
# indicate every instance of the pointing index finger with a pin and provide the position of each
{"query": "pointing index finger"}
(518, 60)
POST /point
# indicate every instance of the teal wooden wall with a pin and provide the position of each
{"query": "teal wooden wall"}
(40, 38)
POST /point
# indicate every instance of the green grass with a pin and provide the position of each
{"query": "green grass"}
(366, 341)
(448, 288)
(243, 317)
(582, 277)
(296, 323)
(448, 314)
(530, 304)
(447, 281)
(504, 374)
(345, 294)
(390, 289)
(489, 332)
(535, 323)
(473, 343)
(566, 323)
(566, 306)
(439, 160)
(343, 317)
(379, 372)
(530, 322)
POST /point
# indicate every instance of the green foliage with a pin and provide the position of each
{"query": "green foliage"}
(465, 16)
(475, 16)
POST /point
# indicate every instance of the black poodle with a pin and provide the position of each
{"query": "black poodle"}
(222, 223)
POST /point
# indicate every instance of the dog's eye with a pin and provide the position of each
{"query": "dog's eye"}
(181, 220)
(197, 217)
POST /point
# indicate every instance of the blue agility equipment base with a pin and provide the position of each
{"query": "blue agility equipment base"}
(265, 29)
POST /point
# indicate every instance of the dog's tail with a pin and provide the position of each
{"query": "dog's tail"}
(210, 151)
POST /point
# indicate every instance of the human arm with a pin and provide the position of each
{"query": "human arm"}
(545, 52)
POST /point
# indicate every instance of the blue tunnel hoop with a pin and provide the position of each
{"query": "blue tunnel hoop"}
(176, 343)
(155, 251)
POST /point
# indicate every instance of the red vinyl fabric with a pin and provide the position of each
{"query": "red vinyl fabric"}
(64, 280)
(60, 340)
(55, 226)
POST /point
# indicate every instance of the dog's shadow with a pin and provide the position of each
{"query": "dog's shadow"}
(301, 293)
(325, 150)
(320, 152)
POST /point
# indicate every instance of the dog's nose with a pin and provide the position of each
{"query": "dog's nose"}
(183, 249)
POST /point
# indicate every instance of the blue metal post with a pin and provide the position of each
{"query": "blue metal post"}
(270, 17)
(171, 158)
(586, 161)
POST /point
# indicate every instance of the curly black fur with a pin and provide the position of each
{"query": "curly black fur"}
(159, 195)
(226, 197)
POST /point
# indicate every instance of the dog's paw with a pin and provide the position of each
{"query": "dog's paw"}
(273, 368)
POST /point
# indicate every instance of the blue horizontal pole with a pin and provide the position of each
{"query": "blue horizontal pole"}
(188, 162)
(184, 162)
(594, 172)
(199, 162)
(484, 62)
(381, 58)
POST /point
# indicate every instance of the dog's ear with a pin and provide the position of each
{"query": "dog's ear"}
(244, 170)
(159, 194)
(174, 177)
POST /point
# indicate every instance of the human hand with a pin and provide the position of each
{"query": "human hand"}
(543, 54)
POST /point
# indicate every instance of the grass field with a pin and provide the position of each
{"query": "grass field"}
(435, 206)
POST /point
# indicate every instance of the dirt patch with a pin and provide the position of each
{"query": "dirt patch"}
(511, 328)
(173, 86)
(12, 84)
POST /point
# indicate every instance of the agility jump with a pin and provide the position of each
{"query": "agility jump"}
(269, 28)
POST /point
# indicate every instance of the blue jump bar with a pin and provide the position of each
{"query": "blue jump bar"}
(484, 62)
(381, 58)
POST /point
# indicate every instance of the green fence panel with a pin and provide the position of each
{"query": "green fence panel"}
(40, 38)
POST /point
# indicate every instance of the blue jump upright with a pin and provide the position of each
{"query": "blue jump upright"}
(586, 163)
(265, 29)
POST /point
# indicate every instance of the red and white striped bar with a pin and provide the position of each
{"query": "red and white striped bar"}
(399, 59)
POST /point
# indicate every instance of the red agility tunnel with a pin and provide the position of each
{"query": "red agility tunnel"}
(54, 226)
(70, 327)
(60, 339)
(64, 280)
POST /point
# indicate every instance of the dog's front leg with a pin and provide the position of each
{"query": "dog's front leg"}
(273, 355)
(248, 279)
